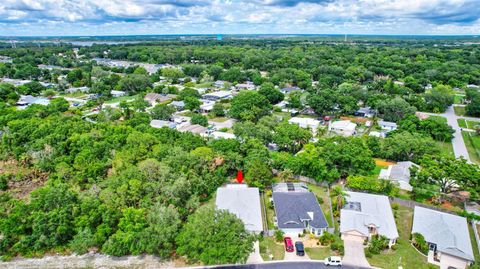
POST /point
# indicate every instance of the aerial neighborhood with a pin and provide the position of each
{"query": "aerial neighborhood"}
(207, 151)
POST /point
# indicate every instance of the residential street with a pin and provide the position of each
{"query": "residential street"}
(459, 148)
(283, 265)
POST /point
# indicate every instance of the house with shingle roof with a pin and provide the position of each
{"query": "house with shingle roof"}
(447, 236)
(297, 211)
(399, 173)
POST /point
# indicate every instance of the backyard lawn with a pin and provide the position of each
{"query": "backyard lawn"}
(405, 254)
(320, 253)
(282, 115)
(476, 252)
(270, 212)
(472, 142)
(458, 98)
(268, 247)
(459, 110)
(445, 147)
(121, 99)
(322, 193)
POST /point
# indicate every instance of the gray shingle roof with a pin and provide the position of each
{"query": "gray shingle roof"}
(293, 207)
(401, 171)
(242, 201)
(449, 232)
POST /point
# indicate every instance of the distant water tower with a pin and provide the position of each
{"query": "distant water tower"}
(219, 37)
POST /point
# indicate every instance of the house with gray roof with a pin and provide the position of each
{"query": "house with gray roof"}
(297, 211)
(244, 202)
(447, 236)
(387, 125)
(399, 173)
(365, 215)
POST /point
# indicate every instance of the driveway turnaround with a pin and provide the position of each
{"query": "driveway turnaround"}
(354, 252)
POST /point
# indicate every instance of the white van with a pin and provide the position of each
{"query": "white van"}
(333, 260)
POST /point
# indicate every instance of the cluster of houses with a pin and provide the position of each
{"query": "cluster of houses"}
(297, 211)
(151, 68)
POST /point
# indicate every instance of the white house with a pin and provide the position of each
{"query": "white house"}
(244, 202)
(343, 127)
(447, 236)
(215, 96)
(306, 123)
(399, 173)
(245, 86)
(365, 215)
(117, 93)
(224, 135)
(387, 125)
(162, 123)
(83, 89)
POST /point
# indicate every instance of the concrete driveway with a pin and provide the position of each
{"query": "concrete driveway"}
(255, 256)
(354, 252)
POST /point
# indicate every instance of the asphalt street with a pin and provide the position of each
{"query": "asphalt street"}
(283, 265)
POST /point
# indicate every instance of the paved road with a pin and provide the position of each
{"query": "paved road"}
(459, 148)
(283, 265)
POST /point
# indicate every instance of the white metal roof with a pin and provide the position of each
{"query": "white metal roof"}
(449, 232)
(244, 202)
(370, 209)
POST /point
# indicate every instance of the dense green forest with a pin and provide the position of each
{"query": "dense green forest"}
(120, 187)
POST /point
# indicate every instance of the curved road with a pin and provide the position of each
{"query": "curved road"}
(282, 265)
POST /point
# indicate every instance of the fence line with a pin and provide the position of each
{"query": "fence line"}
(413, 204)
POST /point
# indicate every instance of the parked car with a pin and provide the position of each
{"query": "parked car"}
(288, 244)
(333, 260)
(300, 249)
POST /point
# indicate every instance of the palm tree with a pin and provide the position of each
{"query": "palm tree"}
(285, 175)
(338, 195)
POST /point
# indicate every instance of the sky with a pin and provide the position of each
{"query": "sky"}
(144, 17)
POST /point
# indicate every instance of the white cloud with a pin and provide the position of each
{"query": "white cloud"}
(235, 16)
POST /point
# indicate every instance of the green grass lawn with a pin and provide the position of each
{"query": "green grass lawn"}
(467, 123)
(476, 252)
(459, 110)
(445, 147)
(322, 193)
(268, 247)
(121, 99)
(458, 98)
(270, 212)
(472, 142)
(283, 115)
(319, 253)
(405, 255)
(203, 85)
(219, 119)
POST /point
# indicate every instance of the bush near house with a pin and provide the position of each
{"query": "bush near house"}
(420, 243)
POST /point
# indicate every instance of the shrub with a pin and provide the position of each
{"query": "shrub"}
(420, 243)
(377, 244)
(279, 235)
(337, 246)
(326, 239)
(4, 182)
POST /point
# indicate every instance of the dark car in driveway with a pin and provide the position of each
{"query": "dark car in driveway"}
(300, 249)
